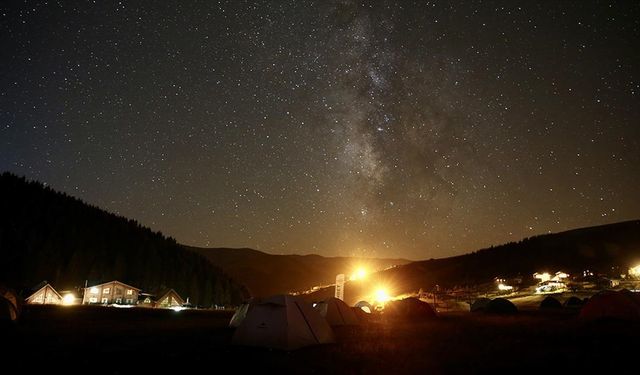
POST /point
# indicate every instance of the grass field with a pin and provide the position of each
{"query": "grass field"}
(109, 340)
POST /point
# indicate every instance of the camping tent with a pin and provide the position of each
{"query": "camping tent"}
(501, 306)
(364, 306)
(479, 305)
(573, 302)
(409, 308)
(283, 322)
(550, 303)
(10, 304)
(336, 312)
(241, 313)
(362, 316)
(622, 304)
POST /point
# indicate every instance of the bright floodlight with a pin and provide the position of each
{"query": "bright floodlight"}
(382, 295)
(634, 271)
(360, 274)
(68, 299)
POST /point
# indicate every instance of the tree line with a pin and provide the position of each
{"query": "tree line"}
(48, 235)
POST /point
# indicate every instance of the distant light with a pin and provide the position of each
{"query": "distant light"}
(551, 287)
(560, 275)
(634, 271)
(177, 308)
(122, 306)
(381, 295)
(68, 299)
(504, 287)
(360, 274)
(542, 276)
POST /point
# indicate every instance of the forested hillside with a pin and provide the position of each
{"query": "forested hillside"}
(47, 235)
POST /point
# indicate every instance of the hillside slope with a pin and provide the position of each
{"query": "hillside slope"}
(266, 274)
(47, 235)
(609, 249)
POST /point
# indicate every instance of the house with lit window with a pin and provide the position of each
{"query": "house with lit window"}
(169, 299)
(113, 292)
(45, 294)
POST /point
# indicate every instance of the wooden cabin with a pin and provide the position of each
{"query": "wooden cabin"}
(113, 292)
(46, 295)
(169, 299)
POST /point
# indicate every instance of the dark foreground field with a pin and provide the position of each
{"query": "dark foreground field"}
(108, 340)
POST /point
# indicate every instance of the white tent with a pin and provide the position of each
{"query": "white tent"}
(283, 322)
(364, 306)
(336, 312)
(241, 313)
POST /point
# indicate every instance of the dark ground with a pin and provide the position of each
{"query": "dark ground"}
(109, 340)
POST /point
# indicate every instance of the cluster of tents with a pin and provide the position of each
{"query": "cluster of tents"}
(608, 304)
(288, 322)
(493, 306)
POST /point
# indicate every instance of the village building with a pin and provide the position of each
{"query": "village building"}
(112, 292)
(169, 299)
(45, 295)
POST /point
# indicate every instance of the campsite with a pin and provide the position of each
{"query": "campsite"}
(112, 340)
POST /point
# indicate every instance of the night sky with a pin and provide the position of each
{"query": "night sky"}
(371, 128)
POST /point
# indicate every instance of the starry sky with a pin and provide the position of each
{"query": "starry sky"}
(415, 129)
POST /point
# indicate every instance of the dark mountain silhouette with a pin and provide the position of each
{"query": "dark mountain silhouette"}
(607, 249)
(47, 235)
(266, 274)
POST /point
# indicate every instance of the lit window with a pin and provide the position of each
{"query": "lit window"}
(105, 300)
(118, 300)
(106, 290)
(129, 292)
(95, 290)
(93, 300)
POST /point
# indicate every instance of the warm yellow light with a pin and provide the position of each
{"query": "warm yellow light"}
(542, 276)
(68, 299)
(382, 295)
(359, 274)
(504, 287)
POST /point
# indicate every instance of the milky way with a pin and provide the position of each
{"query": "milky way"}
(384, 128)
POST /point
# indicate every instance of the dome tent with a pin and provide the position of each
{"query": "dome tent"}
(501, 306)
(409, 308)
(479, 304)
(622, 305)
(283, 322)
(241, 313)
(364, 306)
(550, 303)
(336, 312)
